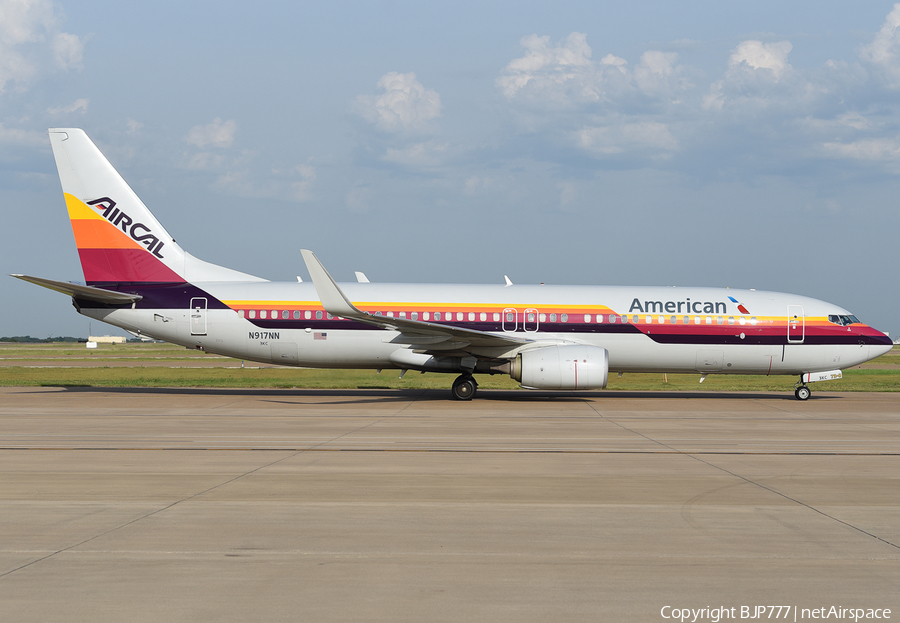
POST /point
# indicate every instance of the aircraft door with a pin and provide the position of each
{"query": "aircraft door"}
(530, 320)
(796, 329)
(198, 316)
(510, 319)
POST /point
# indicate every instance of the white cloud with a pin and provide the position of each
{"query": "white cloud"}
(568, 193)
(357, 200)
(25, 138)
(759, 55)
(405, 104)
(419, 155)
(302, 188)
(616, 139)
(474, 184)
(557, 73)
(758, 75)
(79, 104)
(564, 75)
(294, 184)
(881, 149)
(68, 49)
(884, 51)
(218, 134)
(658, 74)
(31, 43)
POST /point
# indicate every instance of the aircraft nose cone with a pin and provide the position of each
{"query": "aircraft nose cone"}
(879, 350)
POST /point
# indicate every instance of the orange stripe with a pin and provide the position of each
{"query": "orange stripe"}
(100, 234)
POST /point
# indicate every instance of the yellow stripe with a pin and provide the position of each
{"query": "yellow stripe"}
(79, 210)
(422, 304)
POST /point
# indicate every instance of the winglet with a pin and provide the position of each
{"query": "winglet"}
(333, 299)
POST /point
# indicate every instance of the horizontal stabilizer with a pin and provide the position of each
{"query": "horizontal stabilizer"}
(89, 293)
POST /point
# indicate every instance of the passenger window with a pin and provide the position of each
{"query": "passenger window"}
(459, 315)
(329, 316)
(635, 319)
(414, 315)
(531, 316)
(496, 316)
(285, 315)
(390, 314)
(612, 319)
(262, 313)
(543, 317)
(240, 313)
(685, 320)
(742, 320)
(307, 314)
(599, 317)
(730, 319)
(437, 315)
(471, 316)
(402, 314)
(510, 317)
(709, 320)
(753, 320)
(253, 313)
(552, 317)
(319, 314)
(482, 316)
(587, 317)
(624, 319)
(720, 320)
(426, 316)
(296, 314)
(697, 320)
(648, 319)
(564, 317)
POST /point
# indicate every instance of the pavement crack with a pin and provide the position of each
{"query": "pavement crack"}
(747, 480)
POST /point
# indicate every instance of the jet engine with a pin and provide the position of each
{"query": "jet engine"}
(569, 366)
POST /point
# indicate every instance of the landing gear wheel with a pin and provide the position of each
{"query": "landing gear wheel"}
(802, 393)
(464, 387)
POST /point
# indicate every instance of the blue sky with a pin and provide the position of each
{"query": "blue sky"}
(753, 146)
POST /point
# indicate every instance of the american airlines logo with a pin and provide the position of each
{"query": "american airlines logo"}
(680, 307)
(686, 306)
(138, 231)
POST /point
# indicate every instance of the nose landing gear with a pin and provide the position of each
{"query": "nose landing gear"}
(801, 391)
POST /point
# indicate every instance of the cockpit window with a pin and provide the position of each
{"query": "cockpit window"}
(843, 320)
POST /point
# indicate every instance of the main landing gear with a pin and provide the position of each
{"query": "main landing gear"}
(464, 387)
(801, 391)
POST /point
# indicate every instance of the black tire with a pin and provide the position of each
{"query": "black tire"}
(464, 387)
(802, 393)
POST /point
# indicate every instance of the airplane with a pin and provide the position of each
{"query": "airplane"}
(546, 337)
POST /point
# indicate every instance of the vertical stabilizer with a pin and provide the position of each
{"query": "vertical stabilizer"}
(118, 239)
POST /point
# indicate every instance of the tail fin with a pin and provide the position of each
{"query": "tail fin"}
(118, 239)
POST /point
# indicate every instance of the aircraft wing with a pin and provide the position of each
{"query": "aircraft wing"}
(426, 335)
(83, 292)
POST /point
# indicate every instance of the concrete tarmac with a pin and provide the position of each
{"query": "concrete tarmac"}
(380, 505)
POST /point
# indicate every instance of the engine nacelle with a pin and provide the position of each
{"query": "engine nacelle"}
(570, 366)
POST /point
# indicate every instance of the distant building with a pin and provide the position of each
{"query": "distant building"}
(107, 339)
